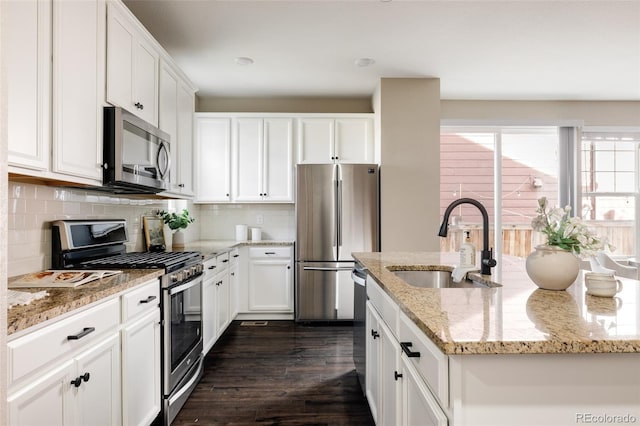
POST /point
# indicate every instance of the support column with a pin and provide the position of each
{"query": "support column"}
(408, 112)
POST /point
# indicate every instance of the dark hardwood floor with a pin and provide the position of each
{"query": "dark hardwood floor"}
(279, 374)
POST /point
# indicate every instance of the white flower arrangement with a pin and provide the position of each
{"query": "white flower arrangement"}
(568, 233)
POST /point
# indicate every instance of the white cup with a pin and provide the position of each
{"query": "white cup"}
(602, 285)
(241, 232)
(256, 234)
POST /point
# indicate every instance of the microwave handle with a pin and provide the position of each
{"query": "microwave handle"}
(163, 159)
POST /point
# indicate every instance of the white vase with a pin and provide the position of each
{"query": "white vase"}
(552, 268)
(178, 240)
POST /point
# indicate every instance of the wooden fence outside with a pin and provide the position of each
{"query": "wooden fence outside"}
(520, 240)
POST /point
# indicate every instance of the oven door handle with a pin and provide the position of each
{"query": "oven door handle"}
(183, 287)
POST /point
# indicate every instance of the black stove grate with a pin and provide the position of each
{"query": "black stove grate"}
(145, 260)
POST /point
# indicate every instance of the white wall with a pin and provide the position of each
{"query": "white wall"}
(590, 113)
(218, 221)
(408, 111)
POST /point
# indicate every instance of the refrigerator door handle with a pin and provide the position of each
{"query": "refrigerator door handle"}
(320, 268)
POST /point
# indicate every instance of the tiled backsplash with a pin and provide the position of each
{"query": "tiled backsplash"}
(218, 221)
(31, 208)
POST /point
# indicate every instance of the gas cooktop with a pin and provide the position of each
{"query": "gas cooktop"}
(169, 261)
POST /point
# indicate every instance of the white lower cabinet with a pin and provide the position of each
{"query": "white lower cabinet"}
(82, 391)
(419, 407)
(270, 279)
(234, 282)
(100, 366)
(396, 391)
(209, 307)
(141, 369)
(141, 392)
(216, 310)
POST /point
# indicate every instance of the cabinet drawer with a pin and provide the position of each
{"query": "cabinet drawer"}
(222, 261)
(69, 335)
(140, 300)
(385, 306)
(234, 256)
(270, 252)
(210, 268)
(431, 364)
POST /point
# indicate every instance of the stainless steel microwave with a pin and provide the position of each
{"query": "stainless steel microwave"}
(136, 154)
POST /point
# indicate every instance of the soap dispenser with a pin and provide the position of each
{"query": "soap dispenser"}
(467, 251)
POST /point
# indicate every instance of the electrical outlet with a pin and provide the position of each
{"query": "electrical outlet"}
(259, 219)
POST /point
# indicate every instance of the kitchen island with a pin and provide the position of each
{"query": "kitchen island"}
(516, 354)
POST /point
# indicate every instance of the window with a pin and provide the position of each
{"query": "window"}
(609, 186)
(508, 167)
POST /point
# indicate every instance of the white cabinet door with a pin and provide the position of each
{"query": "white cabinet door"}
(382, 370)
(176, 118)
(208, 313)
(97, 398)
(315, 140)
(168, 117)
(270, 283)
(141, 369)
(132, 66)
(234, 287)
(222, 303)
(264, 160)
(354, 140)
(146, 81)
(46, 402)
(78, 87)
(186, 101)
(249, 166)
(418, 404)
(26, 36)
(373, 369)
(213, 159)
(278, 160)
(121, 45)
(390, 385)
(335, 140)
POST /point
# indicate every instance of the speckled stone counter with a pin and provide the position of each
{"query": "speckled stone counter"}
(210, 248)
(61, 301)
(516, 318)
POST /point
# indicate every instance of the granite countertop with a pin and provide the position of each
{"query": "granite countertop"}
(63, 300)
(210, 248)
(516, 318)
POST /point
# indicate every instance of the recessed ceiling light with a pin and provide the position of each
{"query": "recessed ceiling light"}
(364, 62)
(243, 60)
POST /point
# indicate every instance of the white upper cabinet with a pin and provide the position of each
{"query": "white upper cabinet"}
(336, 139)
(186, 105)
(264, 160)
(132, 65)
(78, 87)
(26, 47)
(213, 158)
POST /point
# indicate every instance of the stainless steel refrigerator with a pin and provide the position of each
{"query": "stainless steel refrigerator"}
(337, 213)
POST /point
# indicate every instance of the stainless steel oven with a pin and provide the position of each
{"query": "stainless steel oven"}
(182, 339)
(99, 244)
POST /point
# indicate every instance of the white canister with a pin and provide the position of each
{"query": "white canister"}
(241, 232)
(256, 234)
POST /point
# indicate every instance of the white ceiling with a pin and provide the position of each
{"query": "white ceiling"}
(516, 49)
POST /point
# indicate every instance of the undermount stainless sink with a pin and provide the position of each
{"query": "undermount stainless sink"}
(437, 279)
